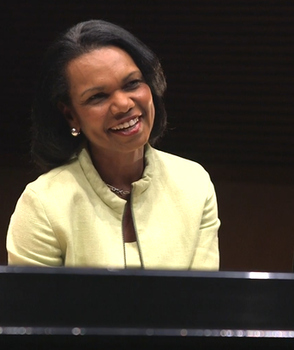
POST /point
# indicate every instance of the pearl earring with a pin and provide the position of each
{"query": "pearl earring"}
(74, 132)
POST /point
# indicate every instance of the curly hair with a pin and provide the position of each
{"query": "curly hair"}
(52, 144)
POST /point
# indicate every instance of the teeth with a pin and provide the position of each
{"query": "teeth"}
(126, 124)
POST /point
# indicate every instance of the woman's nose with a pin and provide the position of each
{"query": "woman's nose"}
(121, 103)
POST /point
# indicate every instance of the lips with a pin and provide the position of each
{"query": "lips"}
(125, 125)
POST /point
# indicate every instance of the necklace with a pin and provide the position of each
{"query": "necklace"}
(118, 191)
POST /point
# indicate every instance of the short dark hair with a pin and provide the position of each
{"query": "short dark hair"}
(52, 144)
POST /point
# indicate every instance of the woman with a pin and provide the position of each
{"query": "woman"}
(107, 198)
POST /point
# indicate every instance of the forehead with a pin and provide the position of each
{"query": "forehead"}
(103, 59)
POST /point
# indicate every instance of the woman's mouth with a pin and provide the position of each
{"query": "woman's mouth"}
(126, 125)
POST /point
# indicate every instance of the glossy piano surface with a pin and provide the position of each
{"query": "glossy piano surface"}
(74, 308)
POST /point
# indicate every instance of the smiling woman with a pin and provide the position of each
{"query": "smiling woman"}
(107, 198)
(113, 106)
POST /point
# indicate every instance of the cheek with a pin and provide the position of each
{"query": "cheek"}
(146, 97)
(151, 106)
(90, 115)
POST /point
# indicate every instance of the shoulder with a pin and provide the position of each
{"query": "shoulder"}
(180, 173)
(65, 176)
(56, 178)
(177, 165)
(182, 177)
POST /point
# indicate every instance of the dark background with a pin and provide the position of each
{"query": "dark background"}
(229, 69)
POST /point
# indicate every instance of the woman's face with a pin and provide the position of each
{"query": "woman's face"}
(110, 102)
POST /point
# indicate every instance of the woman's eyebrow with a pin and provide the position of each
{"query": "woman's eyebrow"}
(102, 87)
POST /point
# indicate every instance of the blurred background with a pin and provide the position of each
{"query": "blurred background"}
(229, 66)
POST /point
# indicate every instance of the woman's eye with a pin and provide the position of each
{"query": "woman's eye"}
(96, 97)
(133, 84)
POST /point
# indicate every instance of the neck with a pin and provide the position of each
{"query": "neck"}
(119, 169)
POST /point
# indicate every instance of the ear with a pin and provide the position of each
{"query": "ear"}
(65, 110)
(68, 115)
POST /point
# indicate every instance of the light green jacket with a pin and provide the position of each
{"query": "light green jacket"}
(70, 217)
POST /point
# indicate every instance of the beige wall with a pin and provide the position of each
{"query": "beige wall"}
(257, 232)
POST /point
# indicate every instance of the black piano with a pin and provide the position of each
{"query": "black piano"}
(69, 308)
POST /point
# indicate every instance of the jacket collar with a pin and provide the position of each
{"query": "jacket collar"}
(100, 188)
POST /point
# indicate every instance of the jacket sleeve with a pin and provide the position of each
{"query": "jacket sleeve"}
(206, 255)
(30, 238)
